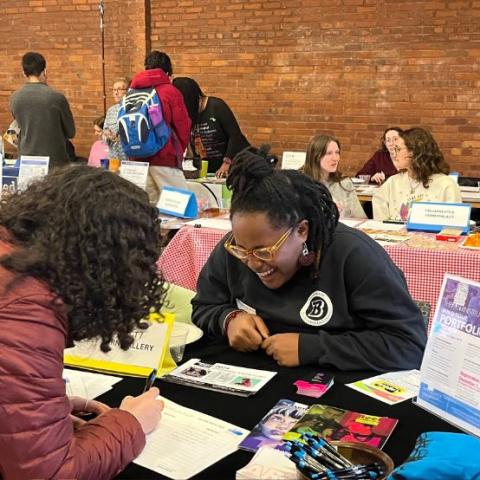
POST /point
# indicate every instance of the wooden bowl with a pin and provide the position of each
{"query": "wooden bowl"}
(361, 454)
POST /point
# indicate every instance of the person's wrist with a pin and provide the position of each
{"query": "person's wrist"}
(228, 320)
(227, 161)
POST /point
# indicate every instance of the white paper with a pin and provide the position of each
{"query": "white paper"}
(268, 464)
(293, 160)
(135, 172)
(375, 225)
(87, 384)
(31, 168)
(391, 387)
(351, 222)
(186, 442)
(217, 223)
(450, 372)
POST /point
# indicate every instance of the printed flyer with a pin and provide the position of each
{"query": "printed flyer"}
(450, 373)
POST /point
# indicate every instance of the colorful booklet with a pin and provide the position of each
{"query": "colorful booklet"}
(314, 385)
(334, 423)
(271, 428)
(220, 377)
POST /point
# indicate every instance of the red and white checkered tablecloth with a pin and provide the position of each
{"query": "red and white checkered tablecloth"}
(424, 268)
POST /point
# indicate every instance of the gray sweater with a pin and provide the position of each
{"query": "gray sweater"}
(45, 122)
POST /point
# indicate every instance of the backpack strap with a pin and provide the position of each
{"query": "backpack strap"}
(178, 149)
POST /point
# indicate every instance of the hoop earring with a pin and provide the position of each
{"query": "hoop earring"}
(307, 257)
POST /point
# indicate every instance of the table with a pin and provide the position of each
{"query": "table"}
(424, 268)
(246, 412)
(365, 194)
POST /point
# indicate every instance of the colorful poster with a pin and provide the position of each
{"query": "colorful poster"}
(450, 373)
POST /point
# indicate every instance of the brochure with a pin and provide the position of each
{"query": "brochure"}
(220, 377)
(334, 423)
(450, 372)
(391, 388)
(271, 428)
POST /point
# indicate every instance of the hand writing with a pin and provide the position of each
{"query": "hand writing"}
(379, 177)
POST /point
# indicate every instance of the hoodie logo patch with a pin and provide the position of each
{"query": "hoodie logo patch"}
(317, 310)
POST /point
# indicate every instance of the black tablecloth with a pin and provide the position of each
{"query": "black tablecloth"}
(246, 412)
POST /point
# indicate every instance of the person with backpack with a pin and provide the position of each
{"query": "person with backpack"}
(169, 118)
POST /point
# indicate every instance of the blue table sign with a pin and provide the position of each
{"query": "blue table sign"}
(178, 202)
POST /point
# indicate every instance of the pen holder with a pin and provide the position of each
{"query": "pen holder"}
(360, 454)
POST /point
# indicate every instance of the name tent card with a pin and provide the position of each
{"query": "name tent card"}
(135, 172)
(434, 216)
(293, 160)
(31, 168)
(148, 351)
(178, 202)
(450, 373)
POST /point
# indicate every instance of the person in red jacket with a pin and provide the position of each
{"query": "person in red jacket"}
(166, 165)
(78, 253)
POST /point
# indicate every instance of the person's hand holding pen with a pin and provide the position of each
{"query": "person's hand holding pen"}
(146, 408)
(246, 332)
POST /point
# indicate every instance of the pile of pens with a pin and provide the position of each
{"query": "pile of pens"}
(319, 460)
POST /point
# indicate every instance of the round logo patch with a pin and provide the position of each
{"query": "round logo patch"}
(318, 309)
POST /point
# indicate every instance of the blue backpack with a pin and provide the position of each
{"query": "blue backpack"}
(143, 130)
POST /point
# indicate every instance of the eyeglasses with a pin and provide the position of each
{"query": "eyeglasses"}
(265, 254)
(399, 149)
(119, 89)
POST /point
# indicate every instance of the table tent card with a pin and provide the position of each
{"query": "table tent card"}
(148, 351)
(178, 202)
(450, 372)
(31, 168)
(293, 160)
(135, 172)
(433, 216)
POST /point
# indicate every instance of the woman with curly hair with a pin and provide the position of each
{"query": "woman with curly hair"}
(323, 157)
(424, 177)
(78, 254)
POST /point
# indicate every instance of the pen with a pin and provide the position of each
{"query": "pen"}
(150, 380)
(394, 221)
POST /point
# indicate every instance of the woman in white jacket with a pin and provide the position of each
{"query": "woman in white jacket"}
(423, 177)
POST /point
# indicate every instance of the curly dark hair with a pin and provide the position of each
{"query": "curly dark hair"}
(93, 237)
(427, 157)
(285, 196)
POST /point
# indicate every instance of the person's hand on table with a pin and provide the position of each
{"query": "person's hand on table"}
(83, 407)
(283, 347)
(379, 178)
(146, 408)
(222, 172)
(246, 332)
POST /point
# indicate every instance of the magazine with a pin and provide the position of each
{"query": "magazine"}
(271, 428)
(334, 423)
(220, 377)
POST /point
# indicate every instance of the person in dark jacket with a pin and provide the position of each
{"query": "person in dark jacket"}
(78, 253)
(293, 281)
(216, 136)
(381, 166)
(166, 165)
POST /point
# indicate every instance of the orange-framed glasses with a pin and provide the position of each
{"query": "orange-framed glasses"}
(264, 253)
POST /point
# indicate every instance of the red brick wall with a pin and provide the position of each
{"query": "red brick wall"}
(287, 69)
(290, 69)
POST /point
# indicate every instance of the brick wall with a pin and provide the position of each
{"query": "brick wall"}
(287, 69)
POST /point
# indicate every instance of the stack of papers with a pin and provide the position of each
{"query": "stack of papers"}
(186, 442)
(220, 377)
(87, 384)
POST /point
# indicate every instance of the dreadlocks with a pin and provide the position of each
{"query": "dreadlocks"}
(285, 196)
